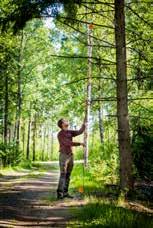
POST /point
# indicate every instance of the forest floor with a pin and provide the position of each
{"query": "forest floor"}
(28, 199)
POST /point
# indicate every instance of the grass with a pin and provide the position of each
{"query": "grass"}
(81, 177)
(90, 182)
(101, 213)
(25, 170)
(27, 166)
(103, 206)
(44, 167)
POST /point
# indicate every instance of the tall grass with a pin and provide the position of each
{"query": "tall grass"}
(105, 214)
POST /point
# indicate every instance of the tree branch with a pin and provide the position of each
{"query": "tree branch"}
(141, 18)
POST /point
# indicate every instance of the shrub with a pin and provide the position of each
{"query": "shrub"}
(142, 144)
(9, 154)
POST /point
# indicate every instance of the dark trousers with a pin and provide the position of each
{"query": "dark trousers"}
(66, 165)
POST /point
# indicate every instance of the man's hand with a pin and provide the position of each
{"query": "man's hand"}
(82, 144)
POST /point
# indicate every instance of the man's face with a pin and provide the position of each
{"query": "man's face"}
(65, 124)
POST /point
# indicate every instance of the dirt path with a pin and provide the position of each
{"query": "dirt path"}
(22, 201)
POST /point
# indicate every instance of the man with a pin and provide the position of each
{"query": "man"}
(66, 155)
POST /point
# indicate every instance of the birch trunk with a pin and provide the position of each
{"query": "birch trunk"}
(88, 95)
(28, 139)
(34, 139)
(44, 144)
(23, 137)
(52, 142)
(19, 98)
(6, 110)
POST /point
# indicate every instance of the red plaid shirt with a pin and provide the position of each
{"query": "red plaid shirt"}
(65, 139)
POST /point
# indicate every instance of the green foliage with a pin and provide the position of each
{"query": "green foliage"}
(54, 87)
(25, 164)
(102, 169)
(9, 154)
(142, 144)
(17, 13)
(104, 163)
(98, 213)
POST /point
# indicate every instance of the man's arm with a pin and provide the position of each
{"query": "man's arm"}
(78, 132)
(66, 142)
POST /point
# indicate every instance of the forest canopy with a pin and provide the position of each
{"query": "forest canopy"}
(19, 12)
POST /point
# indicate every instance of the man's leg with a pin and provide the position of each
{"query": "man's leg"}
(63, 170)
(68, 174)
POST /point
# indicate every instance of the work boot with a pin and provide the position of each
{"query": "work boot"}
(67, 195)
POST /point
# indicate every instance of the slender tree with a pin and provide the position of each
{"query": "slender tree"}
(6, 110)
(34, 138)
(52, 140)
(100, 117)
(19, 98)
(100, 113)
(28, 138)
(88, 92)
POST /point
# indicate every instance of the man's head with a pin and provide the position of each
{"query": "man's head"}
(63, 124)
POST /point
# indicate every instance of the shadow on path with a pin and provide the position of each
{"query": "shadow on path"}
(22, 204)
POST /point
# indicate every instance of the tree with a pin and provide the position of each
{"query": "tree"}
(88, 94)
(122, 96)
(19, 91)
(22, 11)
(50, 70)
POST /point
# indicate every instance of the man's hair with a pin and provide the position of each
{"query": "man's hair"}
(59, 123)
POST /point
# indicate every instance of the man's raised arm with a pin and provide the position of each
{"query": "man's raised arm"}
(80, 131)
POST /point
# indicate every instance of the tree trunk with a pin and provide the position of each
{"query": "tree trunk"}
(52, 141)
(19, 98)
(28, 139)
(48, 143)
(122, 103)
(6, 110)
(100, 117)
(44, 144)
(100, 113)
(34, 139)
(9, 134)
(88, 95)
(93, 134)
(23, 137)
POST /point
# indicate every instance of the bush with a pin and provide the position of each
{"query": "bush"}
(9, 154)
(104, 163)
(102, 168)
(142, 144)
(26, 164)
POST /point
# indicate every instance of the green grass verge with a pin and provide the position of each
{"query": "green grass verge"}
(98, 213)
(102, 204)
(87, 179)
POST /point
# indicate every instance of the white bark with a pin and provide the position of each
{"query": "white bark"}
(88, 95)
